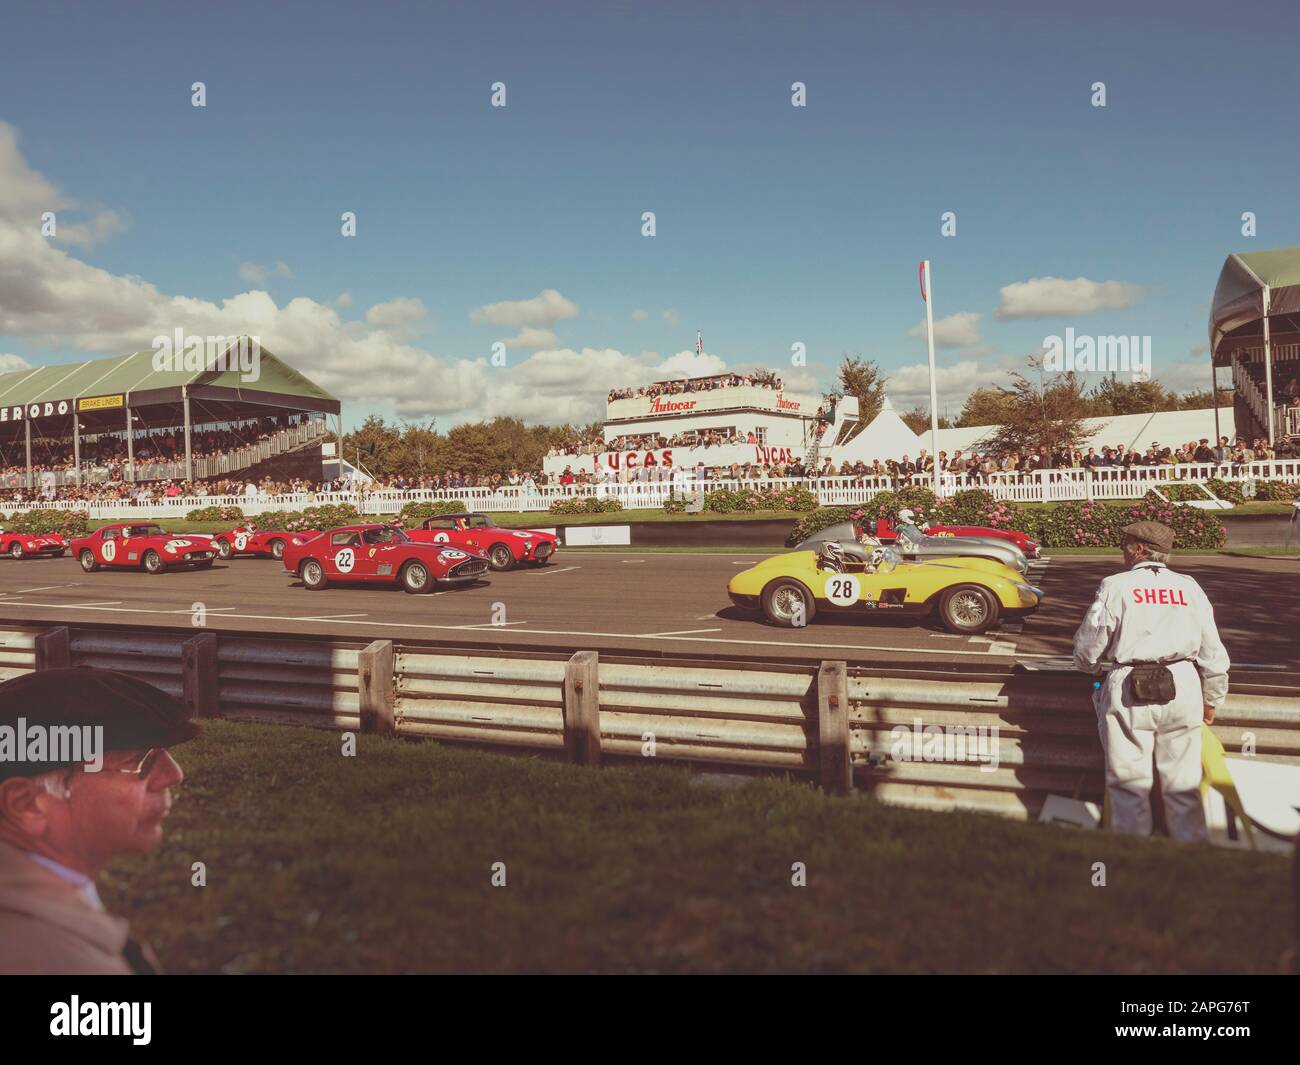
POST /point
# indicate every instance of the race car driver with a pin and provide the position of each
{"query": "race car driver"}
(1151, 631)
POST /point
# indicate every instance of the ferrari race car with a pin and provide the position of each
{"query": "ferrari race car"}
(141, 545)
(504, 548)
(915, 545)
(380, 554)
(31, 545)
(968, 594)
(886, 531)
(259, 543)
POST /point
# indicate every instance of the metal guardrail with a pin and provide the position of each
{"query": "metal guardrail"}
(840, 726)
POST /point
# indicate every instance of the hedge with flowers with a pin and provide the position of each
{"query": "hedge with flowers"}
(215, 514)
(321, 518)
(1073, 524)
(67, 523)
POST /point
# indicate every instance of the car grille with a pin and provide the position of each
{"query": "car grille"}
(473, 568)
(544, 550)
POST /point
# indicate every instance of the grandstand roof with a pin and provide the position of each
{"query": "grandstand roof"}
(1237, 312)
(135, 378)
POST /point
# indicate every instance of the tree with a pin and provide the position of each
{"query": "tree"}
(1113, 396)
(1204, 399)
(987, 406)
(375, 444)
(918, 420)
(1046, 413)
(861, 378)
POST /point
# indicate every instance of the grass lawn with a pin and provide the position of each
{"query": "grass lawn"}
(381, 863)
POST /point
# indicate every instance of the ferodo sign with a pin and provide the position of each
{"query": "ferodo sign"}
(58, 408)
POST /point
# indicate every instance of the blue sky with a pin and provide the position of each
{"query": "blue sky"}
(775, 224)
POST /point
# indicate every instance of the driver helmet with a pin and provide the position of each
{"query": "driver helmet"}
(877, 557)
(907, 516)
(832, 554)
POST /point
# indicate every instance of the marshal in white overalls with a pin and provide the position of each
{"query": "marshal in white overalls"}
(1152, 614)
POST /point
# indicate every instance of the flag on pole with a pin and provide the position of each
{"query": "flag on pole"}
(699, 343)
(923, 299)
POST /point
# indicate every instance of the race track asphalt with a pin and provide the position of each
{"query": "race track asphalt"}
(641, 604)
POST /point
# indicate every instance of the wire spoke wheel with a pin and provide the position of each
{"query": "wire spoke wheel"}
(415, 577)
(969, 608)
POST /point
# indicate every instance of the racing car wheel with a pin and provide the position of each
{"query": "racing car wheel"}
(500, 558)
(87, 560)
(416, 578)
(223, 548)
(313, 575)
(968, 609)
(786, 602)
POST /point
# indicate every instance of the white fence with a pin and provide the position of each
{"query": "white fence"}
(1042, 486)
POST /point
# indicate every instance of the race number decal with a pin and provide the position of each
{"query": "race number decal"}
(241, 541)
(442, 538)
(172, 545)
(109, 550)
(524, 535)
(345, 560)
(451, 555)
(843, 589)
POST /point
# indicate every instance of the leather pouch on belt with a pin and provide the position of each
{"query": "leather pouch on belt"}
(1151, 683)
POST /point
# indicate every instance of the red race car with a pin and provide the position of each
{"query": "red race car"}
(380, 554)
(259, 543)
(477, 532)
(32, 545)
(887, 532)
(141, 545)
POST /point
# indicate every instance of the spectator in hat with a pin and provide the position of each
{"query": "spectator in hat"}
(68, 808)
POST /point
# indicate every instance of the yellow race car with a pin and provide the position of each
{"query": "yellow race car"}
(969, 594)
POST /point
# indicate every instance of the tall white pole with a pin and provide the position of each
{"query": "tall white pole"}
(934, 392)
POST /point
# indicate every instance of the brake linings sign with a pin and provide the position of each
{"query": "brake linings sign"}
(60, 407)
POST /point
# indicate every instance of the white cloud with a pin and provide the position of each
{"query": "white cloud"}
(544, 309)
(532, 337)
(640, 315)
(257, 274)
(688, 364)
(961, 330)
(26, 195)
(909, 386)
(670, 316)
(1055, 297)
(343, 299)
(396, 313)
(9, 363)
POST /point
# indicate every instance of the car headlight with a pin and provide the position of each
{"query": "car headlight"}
(297, 540)
(1028, 589)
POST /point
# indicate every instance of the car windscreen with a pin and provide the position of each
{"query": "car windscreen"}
(384, 536)
(479, 521)
(145, 530)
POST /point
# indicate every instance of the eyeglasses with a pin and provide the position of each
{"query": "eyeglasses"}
(144, 766)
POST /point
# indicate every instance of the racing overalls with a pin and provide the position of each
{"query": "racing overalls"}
(1152, 614)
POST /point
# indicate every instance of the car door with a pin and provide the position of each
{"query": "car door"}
(109, 548)
(343, 555)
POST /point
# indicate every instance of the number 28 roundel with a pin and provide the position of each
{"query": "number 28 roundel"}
(843, 589)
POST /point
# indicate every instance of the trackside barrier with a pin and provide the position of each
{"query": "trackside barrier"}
(995, 742)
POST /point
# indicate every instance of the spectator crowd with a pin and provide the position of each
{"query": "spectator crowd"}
(759, 378)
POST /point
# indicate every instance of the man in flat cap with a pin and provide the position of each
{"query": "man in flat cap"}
(85, 776)
(1151, 632)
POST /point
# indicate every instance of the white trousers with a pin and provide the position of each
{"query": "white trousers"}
(1168, 735)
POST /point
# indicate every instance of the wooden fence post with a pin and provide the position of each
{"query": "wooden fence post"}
(54, 649)
(200, 683)
(833, 728)
(582, 708)
(375, 684)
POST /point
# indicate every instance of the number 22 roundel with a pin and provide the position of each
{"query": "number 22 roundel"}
(345, 560)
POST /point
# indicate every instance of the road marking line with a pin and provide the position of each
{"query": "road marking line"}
(634, 561)
(106, 602)
(42, 588)
(707, 617)
(1000, 648)
(326, 617)
(560, 632)
(491, 624)
(681, 632)
(190, 610)
(552, 572)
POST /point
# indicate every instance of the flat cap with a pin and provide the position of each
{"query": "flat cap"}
(1151, 533)
(133, 714)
